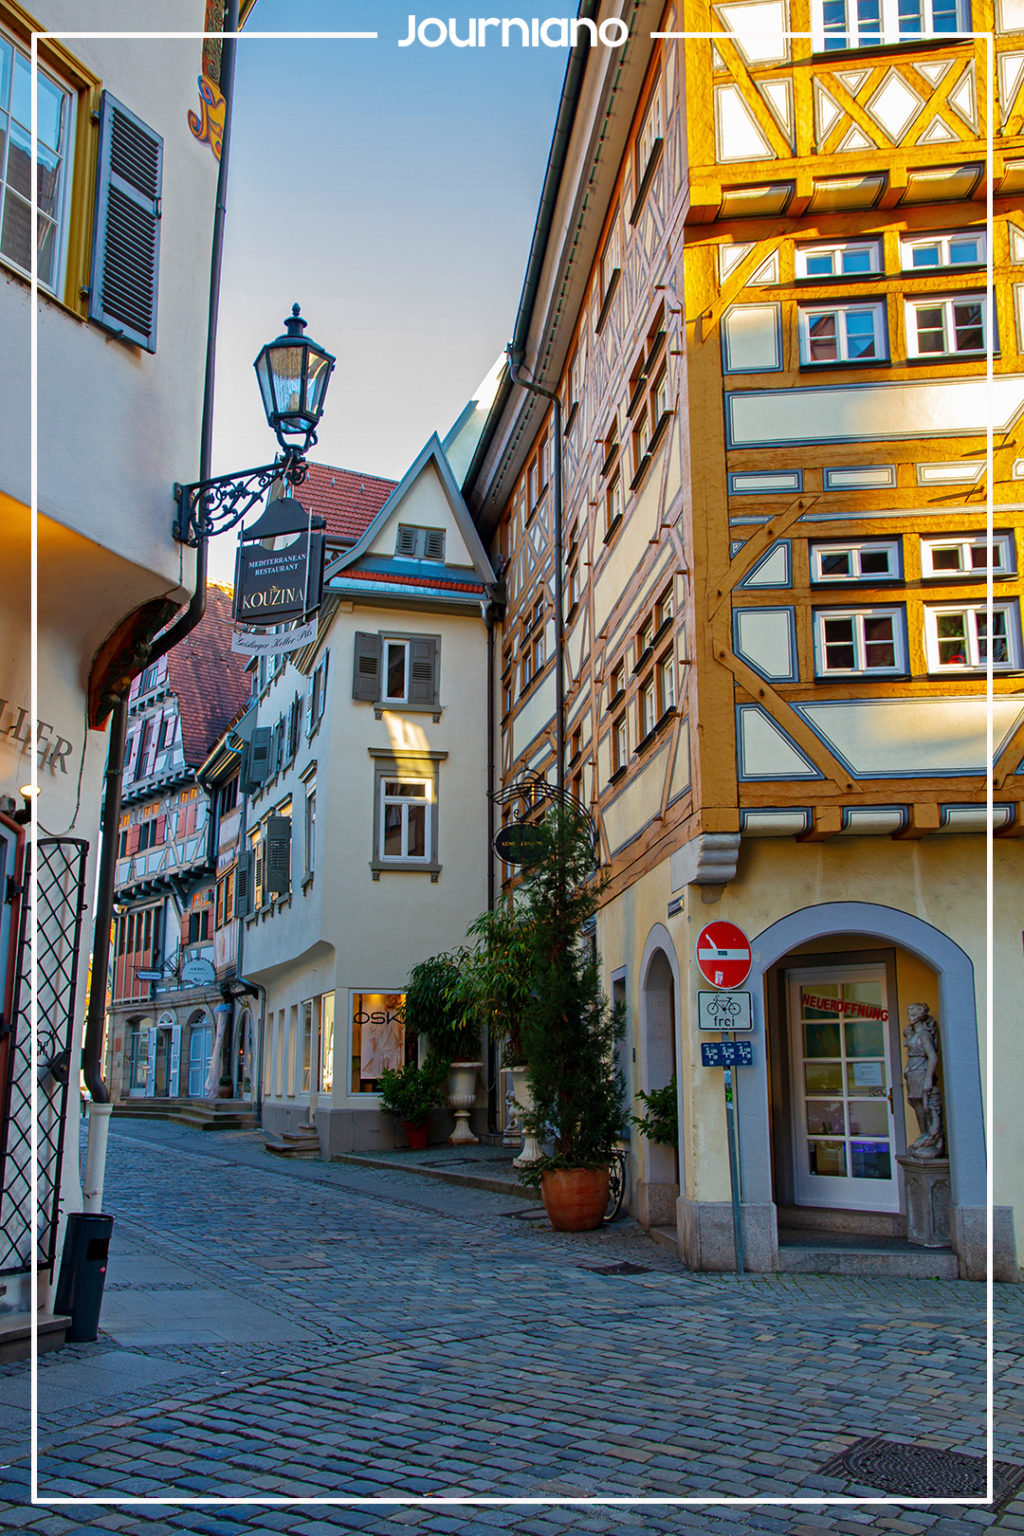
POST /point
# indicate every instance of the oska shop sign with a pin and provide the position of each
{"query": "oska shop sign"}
(277, 582)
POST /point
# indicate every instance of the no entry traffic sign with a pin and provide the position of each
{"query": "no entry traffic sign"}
(723, 954)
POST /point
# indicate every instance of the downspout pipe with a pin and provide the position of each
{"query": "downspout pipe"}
(514, 365)
(92, 1048)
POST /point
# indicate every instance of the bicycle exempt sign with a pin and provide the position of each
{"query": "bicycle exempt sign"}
(724, 1010)
(723, 954)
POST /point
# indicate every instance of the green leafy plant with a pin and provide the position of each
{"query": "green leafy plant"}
(410, 1092)
(661, 1122)
(492, 989)
(433, 1008)
(568, 1028)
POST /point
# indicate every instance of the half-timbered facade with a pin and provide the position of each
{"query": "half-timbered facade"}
(164, 988)
(768, 319)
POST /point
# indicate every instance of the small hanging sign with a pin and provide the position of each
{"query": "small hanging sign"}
(247, 643)
(273, 584)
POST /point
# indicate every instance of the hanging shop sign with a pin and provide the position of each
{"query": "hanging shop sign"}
(246, 642)
(198, 973)
(275, 582)
(723, 954)
(519, 843)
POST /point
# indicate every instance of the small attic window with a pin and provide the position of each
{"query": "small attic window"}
(420, 543)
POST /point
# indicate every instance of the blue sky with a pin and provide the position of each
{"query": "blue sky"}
(392, 192)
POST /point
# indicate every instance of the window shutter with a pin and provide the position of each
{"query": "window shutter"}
(423, 671)
(366, 680)
(256, 762)
(311, 692)
(433, 543)
(243, 885)
(160, 834)
(132, 840)
(323, 684)
(126, 237)
(278, 856)
(405, 544)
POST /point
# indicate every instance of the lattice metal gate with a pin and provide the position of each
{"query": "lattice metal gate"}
(60, 903)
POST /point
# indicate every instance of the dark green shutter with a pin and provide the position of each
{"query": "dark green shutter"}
(423, 671)
(366, 674)
(256, 760)
(126, 236)
(278, 856)
(243, 893)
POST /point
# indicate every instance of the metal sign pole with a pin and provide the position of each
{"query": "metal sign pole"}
(734, 1169)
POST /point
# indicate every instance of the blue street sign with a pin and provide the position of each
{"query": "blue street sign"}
(726, 1053)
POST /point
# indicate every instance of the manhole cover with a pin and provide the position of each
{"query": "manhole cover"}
(919, 1471)
(616, 1269)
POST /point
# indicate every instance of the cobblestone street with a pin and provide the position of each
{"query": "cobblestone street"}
(278, 1329)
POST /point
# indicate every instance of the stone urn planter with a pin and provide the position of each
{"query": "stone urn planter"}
(575, 1198)
(531, 1152)
(461, 1098)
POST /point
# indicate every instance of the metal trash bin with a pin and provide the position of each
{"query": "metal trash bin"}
(83, 1269)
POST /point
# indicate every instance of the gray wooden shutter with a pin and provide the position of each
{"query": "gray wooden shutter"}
(126, 235)
(366, 676)
(243, 884)
(278, 856)
(433, 543)
(423, 671)
(405, 543)
(256, 763)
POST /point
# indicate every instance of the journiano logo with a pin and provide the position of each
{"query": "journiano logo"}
(513, 31)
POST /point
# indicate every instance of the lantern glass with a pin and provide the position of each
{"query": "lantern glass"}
(293, 372)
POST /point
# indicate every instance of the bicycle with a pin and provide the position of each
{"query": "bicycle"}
(616, 1186)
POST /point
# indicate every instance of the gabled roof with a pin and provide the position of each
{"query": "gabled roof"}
(346, 498)
(210, 681)
(350, 563)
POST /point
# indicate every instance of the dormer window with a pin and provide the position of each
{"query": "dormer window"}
(415, 543)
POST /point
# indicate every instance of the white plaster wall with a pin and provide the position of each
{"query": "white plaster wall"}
(117, 425)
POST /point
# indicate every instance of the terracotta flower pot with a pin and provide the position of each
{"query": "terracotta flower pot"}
(574, 1198)
(418, 1136)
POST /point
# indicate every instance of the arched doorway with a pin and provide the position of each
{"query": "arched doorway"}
(793, 954)
(243, 1057)
(657, 1187)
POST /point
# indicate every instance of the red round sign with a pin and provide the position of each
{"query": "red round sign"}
(723, 954)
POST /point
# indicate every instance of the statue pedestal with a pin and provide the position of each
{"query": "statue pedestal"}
(928, 1200)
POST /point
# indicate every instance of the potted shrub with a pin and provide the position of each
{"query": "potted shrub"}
(433, 1011)
(410, 1093)
(493, 990)
(569, 1030)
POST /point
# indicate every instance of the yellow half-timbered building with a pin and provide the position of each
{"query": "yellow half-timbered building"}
(783, 322)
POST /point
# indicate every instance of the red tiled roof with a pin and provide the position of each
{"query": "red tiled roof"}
(347, 499)
(355, 574)
(209, 679)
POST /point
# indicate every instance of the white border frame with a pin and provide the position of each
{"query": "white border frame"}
(816, 1500)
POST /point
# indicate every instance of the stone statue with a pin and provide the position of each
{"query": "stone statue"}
(921, 1038)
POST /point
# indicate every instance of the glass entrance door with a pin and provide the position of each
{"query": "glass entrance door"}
(842, 1111)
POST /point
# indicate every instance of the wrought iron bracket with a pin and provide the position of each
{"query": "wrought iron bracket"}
(208, 507)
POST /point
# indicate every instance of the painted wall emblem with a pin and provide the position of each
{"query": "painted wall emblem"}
(208, 123)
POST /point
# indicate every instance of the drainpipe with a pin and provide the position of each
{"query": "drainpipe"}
(92, 1048)
(515, 361)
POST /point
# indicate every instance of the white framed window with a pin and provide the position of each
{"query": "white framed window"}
(395, 672)
(842, 333)
(859, 641)
(55, 147)
(309, 840)
(648, 707)
(843, 258)
(404, 819)
(620, 743)
(863, 560)
(945, 327)
(611, 256)
(963, 248)
(613, 503)
(967, 555)
(867, 23)
(958, 639)
(667, 683)
(651, 130)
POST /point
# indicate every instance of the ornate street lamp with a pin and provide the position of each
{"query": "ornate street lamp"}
(293, 372)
